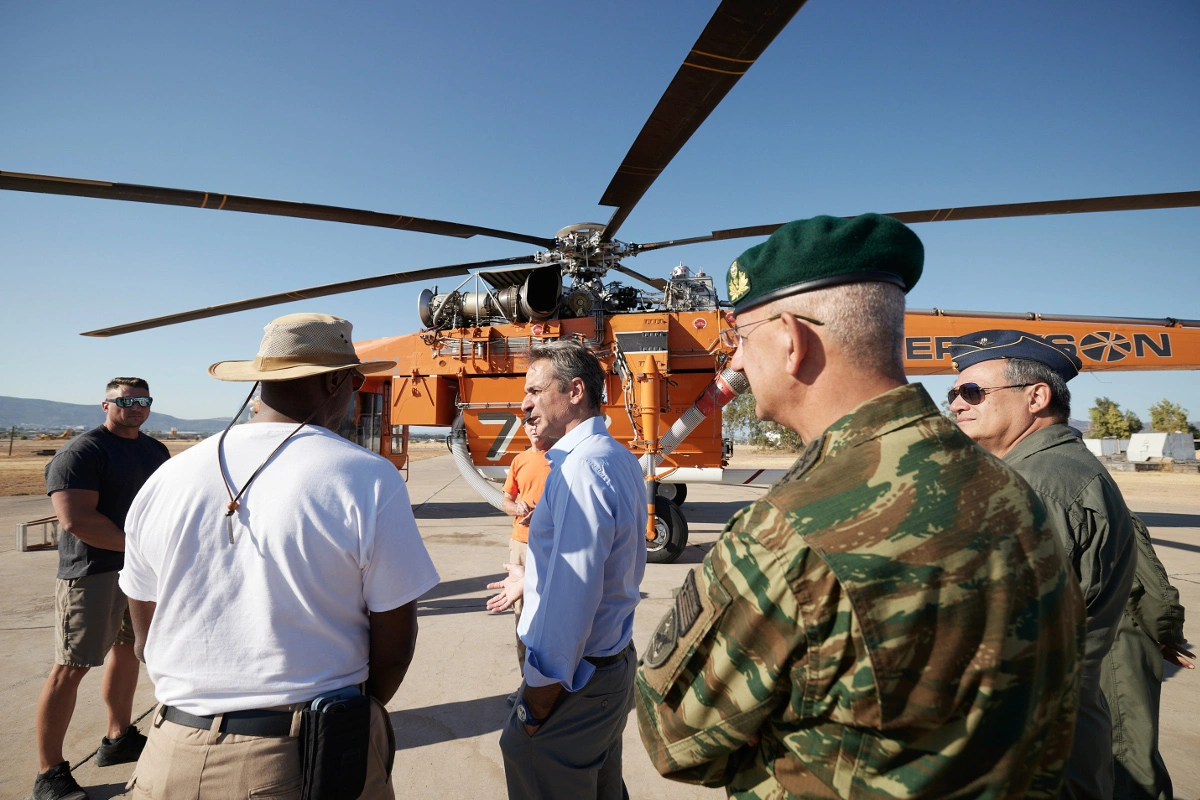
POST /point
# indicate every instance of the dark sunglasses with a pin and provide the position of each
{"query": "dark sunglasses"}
(127, 402)
(973, 393)
(357, 379)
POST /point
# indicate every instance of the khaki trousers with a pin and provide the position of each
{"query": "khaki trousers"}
(186, 763)
(516, 555)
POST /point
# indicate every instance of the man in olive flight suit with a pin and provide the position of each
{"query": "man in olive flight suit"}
(1131, 676)
(1011, 397)
(894, 618)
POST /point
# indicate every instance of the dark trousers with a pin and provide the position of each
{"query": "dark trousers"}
(577, 753)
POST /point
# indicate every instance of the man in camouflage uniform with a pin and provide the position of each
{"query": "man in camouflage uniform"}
(1131, 675)
(892, 619)
(1011, 397)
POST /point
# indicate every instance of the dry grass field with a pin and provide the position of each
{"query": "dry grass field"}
(1159, 487)
(747, 457)
(1138, 487)
(25, 473)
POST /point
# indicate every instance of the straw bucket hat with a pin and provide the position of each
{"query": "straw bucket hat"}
(296, 346)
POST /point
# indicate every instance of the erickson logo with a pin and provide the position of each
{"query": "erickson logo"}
(1105, 346)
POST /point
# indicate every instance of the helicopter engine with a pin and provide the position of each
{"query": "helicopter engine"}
(534, 299)
(689, 291)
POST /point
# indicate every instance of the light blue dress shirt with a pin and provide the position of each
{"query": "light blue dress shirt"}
(586, 557)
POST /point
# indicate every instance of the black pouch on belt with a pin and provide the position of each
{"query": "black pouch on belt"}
(334, 743)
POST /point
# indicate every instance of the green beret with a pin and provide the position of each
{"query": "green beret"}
(825, 251)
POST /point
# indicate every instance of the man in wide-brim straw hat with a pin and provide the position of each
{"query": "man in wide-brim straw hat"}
(267, 567)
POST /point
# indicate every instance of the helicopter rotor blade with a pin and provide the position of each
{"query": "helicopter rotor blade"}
(734, 38)
(78, 187)
(1128, 202)
(657, 283)
(306, 294)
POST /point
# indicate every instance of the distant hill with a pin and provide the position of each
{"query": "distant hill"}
(25, 413)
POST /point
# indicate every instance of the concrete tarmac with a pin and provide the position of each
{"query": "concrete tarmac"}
(449, 712)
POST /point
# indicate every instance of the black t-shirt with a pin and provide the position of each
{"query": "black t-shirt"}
(115, 467)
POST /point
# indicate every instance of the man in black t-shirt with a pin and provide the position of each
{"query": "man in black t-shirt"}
(92, 483)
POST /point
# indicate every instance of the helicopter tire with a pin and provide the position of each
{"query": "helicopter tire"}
(671, 533)
(675, 492)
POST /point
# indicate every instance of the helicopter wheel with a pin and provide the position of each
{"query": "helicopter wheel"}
(671, 533)
(675, 492)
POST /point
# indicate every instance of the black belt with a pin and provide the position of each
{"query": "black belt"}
(604, 661)
(244, 723)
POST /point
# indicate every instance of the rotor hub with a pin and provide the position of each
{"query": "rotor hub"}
(583, 254)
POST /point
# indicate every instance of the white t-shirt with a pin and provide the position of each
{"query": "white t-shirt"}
(324, 533)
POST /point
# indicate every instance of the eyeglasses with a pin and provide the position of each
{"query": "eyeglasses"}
(973, 393)
(733, 337)
(127, 402)
(357, 379)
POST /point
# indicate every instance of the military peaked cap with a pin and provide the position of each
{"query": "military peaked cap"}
(825, 251)
(975, 348)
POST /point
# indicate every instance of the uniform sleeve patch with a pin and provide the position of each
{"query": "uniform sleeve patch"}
(677, 637)
(663, 642)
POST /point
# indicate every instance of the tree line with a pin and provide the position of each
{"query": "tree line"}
(1107, 418)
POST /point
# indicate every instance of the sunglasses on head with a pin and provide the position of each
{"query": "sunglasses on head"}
(127, 402)
(973, 393)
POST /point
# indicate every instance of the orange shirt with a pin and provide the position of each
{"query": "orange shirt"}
(526, 480)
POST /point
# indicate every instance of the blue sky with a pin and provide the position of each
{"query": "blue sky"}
(516, 115)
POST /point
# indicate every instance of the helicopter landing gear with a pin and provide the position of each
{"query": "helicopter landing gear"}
(676, 492)
(670, 533)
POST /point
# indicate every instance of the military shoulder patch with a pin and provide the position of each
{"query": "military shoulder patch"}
(698, 608)
(804, 463)
(663, 642)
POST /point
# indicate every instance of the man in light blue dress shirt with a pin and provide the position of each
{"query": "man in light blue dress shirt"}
(586, 557)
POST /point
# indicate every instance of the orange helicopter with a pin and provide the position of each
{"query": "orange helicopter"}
(668, 377)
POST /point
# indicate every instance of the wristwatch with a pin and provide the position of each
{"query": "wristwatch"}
(525, 715)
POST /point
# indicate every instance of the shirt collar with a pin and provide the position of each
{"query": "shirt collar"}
(880, 415)
(588, 427)
(1036, 442)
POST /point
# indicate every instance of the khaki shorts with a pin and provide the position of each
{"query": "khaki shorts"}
(91, 614)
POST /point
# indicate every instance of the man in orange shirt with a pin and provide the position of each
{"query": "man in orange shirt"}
(522, 491)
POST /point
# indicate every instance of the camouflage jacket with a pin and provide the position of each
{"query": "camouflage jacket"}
(893, 619)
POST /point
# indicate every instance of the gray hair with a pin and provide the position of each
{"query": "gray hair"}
(866, 320)
(569, 360)
(1022, 370)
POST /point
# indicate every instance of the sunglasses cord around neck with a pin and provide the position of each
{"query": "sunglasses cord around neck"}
(234, 498)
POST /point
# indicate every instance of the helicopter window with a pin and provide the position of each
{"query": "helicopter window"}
(363, 424)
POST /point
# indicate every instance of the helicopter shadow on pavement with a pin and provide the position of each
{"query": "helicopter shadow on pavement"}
(105, 791)
(718, 513)
(693, 554)
(454, 510)
(418, 727)
(1158, 519)
(444, 598)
